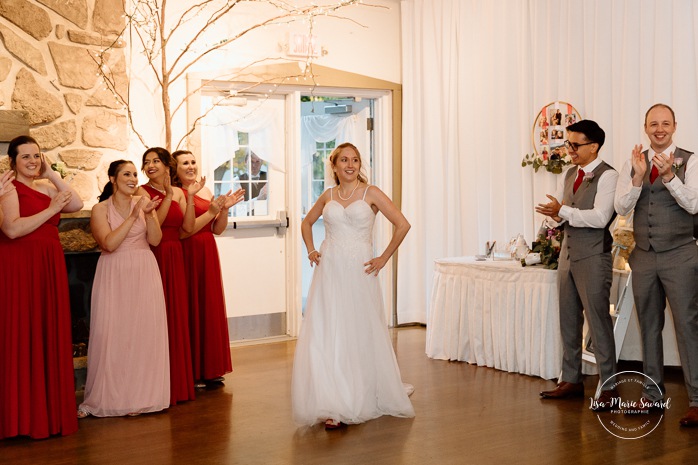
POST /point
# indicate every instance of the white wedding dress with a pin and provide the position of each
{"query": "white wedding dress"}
(344, 367)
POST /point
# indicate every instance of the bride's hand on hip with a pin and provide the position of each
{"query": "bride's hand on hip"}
(374, 265)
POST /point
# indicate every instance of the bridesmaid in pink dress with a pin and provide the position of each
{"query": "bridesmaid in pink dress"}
(128, 369)
(176, 218)
(208, 323)
(37, 389)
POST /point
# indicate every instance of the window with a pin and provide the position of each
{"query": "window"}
(324, 149)
(244, 170)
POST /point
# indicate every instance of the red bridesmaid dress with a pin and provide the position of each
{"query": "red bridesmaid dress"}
(37, 387)
(170, 258)
(208, 322)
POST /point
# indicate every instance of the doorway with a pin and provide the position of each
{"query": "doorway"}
(265, 291)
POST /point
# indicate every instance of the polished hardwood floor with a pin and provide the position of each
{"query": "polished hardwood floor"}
(465, 415)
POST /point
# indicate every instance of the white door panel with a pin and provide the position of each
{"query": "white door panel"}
(253, 267)
(253, 258)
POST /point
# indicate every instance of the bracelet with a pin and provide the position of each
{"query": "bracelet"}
(312, 252)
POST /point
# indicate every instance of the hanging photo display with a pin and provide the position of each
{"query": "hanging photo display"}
(549, 135)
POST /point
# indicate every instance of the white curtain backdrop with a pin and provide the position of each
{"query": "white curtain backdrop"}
(475, 75)
(325, 128)
(220, 130)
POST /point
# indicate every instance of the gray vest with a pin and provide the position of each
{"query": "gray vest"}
(659, 222)
(582, 242)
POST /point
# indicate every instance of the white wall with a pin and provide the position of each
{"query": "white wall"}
(360, 39)
(366, 42)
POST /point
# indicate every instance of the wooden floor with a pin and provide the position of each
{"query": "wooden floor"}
(465, 415)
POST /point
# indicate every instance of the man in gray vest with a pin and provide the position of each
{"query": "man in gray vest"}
(585, 268)
(661, 184)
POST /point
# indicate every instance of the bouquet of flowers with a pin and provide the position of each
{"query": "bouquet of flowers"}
(547, 246)
(553, 163)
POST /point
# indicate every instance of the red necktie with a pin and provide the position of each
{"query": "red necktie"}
(578, 181)
(653, 174)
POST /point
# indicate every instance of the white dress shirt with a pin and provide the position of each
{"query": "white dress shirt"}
(600, 215)
(685, 193)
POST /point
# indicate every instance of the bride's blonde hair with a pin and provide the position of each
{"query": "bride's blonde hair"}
(333, 158)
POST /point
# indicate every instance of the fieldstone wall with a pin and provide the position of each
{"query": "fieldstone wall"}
(48, 69)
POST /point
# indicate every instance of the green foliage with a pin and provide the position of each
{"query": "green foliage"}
(60, 168)
(555, 163)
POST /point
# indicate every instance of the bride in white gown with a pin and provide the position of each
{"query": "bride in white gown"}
(345, 371)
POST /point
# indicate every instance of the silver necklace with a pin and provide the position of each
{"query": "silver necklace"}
(339, 192)
(159, 190)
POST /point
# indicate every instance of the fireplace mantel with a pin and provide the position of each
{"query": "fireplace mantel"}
(13, 123)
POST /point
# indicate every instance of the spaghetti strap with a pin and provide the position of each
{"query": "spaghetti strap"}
(364, 197)
(331, 194)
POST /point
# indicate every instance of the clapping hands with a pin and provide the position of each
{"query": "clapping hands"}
(167, 185)
(195, 187)
(224, 202)
(60, 200)
(145, 205)
(637, 160)
(232, 198)
(551, 209)
(6, 182)
(664, 165)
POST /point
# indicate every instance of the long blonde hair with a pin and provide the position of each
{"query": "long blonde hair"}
(333, 158)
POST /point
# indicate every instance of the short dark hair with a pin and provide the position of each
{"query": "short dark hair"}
(660, 105)
(591, 130)
(13, 148)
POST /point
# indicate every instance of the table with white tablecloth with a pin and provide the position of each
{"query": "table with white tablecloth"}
(502, 315)
(496, 314)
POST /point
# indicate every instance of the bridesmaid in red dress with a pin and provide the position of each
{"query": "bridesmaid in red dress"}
(208, 323)
(37, 388)
(176, 218)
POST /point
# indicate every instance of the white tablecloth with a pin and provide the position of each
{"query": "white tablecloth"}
(505, 316)
(496, 314)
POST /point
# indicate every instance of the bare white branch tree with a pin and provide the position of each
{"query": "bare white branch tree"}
(148, 25)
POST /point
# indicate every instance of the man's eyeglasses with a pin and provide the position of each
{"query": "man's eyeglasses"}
(575, 147)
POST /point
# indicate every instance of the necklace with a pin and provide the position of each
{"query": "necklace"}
(339, 192)
(159, 190)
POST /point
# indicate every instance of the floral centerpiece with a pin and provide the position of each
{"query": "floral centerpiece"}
(553, 162)
(548, 247)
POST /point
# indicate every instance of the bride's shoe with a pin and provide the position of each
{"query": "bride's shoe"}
(83, 413)
(331, 424)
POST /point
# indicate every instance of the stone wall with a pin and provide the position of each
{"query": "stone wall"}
(49, 69)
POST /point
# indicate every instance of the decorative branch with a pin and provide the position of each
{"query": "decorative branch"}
(146, 19)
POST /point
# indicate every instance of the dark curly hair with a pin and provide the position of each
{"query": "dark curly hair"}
(164, 156)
